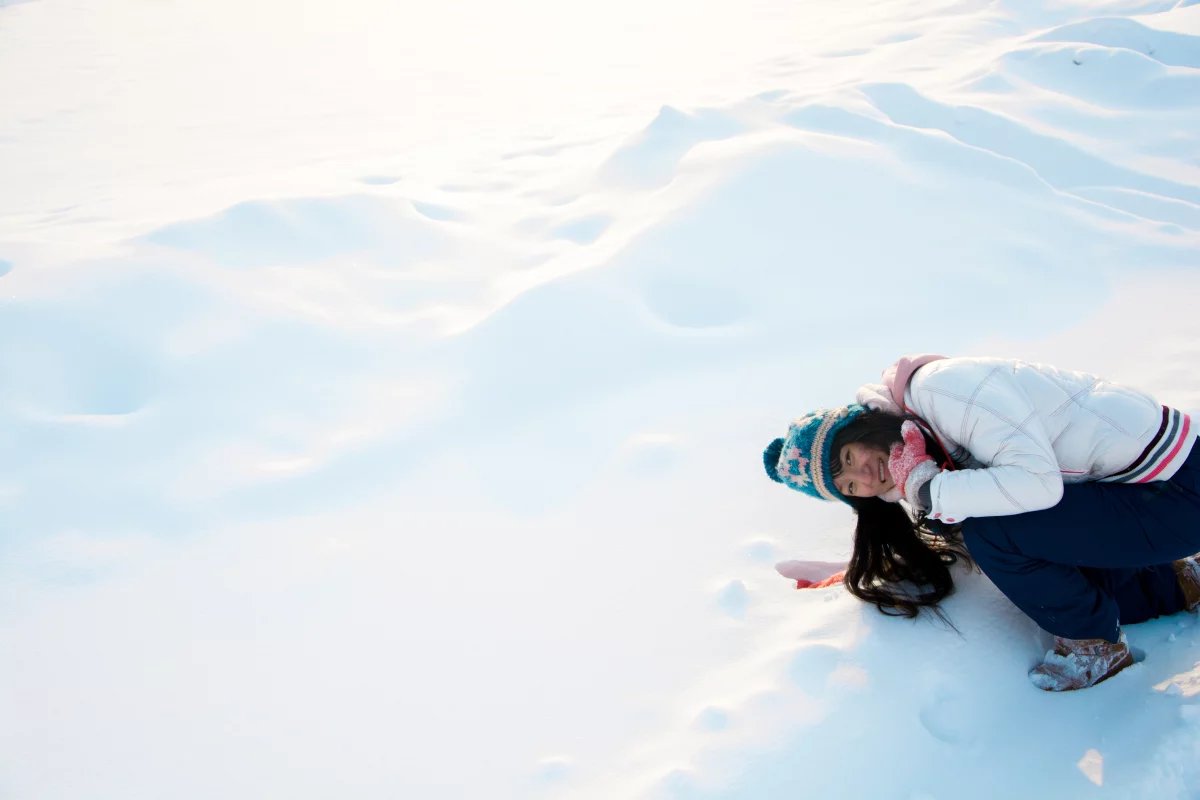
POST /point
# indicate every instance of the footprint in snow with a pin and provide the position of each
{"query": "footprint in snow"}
(584, 230)
(436, 212)
(554, 769)
(761, 551)
(65, 367)
(812, 665)
(712, 719)
(734, 599)
(946, 713)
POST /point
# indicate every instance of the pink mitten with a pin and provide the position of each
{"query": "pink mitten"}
(812, 574)
(911, 467)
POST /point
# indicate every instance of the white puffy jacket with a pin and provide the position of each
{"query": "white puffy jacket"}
(1022, 430)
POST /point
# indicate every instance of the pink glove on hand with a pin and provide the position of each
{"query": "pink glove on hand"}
(911, 467)
(812, 574)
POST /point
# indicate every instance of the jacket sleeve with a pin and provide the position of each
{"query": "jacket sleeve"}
(982, 407)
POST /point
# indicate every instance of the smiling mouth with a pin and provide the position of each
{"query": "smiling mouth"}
(883, 476)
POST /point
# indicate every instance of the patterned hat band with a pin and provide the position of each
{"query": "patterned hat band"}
(805, 456)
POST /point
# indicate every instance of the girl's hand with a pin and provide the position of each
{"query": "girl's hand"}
(812, 574)
(911, 467)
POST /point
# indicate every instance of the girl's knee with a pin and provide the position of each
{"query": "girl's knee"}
(984, 533)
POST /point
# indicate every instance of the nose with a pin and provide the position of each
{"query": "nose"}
(866, 473)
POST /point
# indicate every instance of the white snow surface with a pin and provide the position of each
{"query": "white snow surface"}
(384, 387)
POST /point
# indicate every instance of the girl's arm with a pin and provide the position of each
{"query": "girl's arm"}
(980, 405)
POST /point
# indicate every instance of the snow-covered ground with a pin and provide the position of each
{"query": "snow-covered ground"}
(383, 387)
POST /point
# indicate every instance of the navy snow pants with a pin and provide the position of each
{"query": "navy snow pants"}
(1100, 558)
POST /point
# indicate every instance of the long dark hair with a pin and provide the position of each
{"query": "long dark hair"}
(900, 564)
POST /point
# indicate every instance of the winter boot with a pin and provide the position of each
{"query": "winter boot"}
(1080, 663)
(1187, 572)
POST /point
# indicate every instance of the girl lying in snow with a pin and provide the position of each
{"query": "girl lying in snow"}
(1078, 498)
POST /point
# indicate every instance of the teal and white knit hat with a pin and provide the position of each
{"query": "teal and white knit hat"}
(801, 459)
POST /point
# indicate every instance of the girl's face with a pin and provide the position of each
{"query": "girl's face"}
(864, 471)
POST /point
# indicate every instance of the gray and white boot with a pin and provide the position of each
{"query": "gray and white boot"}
(1080, 663)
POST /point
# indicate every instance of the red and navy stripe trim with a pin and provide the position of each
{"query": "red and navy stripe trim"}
(1175, 429)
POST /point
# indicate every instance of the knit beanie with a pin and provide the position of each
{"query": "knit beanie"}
(801, 459)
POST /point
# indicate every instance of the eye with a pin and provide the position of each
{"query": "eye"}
(850, 489)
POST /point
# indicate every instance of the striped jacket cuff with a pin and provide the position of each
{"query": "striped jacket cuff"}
(1166, 451)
